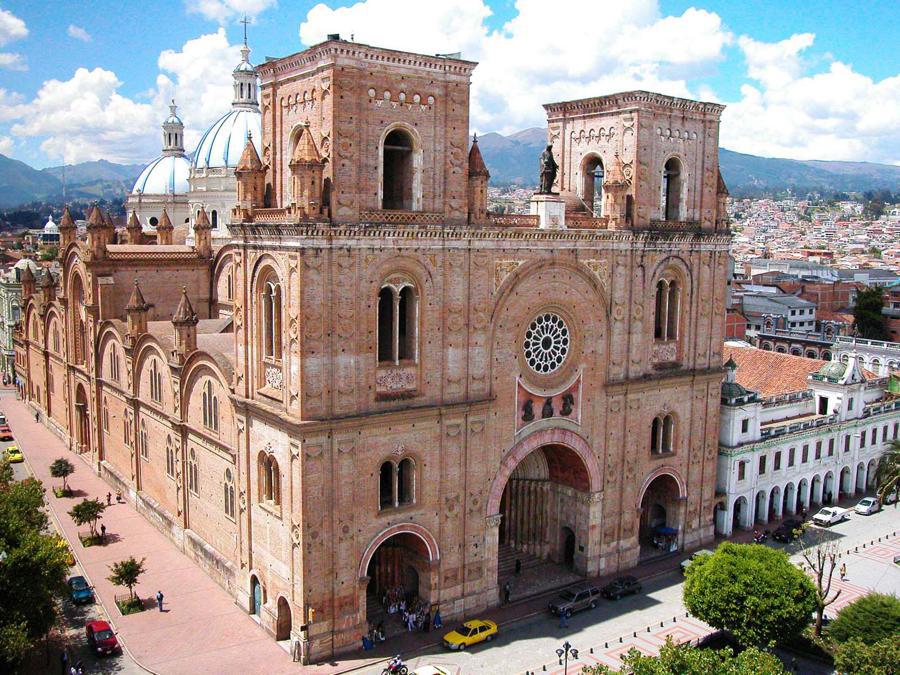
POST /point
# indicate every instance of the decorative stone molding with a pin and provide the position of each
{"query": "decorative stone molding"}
(274, 377)
(393, 380)
(664, 352)
(494, 520)
(502, 269)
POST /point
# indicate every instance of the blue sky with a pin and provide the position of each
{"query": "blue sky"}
(90, 79)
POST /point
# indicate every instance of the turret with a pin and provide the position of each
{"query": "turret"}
(27, 279)
(136, 311)
(97, 233)
(478, 184)
(67, 231)
(173, 133)
(615, 194)
(185, 323)
(47, 286)
(133, 229)
(245, 80)
(203, 235)
(164, 229)
(251, 182)
(721, 203)
(306, 175)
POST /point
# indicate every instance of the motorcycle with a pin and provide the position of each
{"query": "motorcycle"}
(760, 537)
(395, 667)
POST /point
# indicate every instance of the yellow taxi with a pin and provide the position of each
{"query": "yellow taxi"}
(14, 455)
(470, 633)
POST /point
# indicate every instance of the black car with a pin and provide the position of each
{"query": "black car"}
(575, 599)
(617, 588)
(788, 530)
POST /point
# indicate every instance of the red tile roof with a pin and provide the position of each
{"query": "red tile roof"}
(771, 373)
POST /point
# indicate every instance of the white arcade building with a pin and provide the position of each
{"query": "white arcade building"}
(182, 185)
(797, 433)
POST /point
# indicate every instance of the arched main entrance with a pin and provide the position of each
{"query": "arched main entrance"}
(283, 622)
(739, 516)
(660, 520)
(82, 420)
(256, 596)
(398, 570)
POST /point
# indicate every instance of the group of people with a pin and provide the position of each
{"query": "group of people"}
(414, 612)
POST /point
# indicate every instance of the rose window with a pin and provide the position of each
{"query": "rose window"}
(546, 343)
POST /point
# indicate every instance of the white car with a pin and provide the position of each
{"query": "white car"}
(868, 506)
(831, 515)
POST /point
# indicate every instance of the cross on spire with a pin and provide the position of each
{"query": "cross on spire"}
(245, 21)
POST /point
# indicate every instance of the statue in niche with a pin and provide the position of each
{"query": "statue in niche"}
(568, 403)
(528, 411)
(549, 168)
(547, 410)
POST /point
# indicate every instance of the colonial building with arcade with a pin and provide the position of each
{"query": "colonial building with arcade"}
(375, 384)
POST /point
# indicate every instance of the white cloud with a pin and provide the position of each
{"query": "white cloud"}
(79, 33)
(6, 144)
(11, 27)
(610, 47)
(226, 10)
(12, 61)
(86, 118)
(836, 114)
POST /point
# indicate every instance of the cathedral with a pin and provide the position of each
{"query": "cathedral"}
(374, 383)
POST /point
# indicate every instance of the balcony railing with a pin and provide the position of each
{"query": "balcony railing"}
(881, 344)
(675, 225)
(401, 217)
(794, 427)
(513, 220)
(784, 399)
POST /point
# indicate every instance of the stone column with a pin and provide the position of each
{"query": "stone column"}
(491, 532)
(550, 210)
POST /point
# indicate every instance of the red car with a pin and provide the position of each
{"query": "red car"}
(101, 638)
(5, 433)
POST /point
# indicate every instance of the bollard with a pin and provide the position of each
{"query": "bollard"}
(648, 629)
(660, 624)
(544, 668)
(605, 645)
(674, 619)
(879, 540)
(635, 634)
(620, 640)
(592, 650)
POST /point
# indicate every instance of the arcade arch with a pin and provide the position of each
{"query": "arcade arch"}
(660, 515)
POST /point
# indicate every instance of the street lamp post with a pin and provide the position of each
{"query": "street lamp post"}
(564, 653)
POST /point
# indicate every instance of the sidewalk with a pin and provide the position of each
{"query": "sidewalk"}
(202, 630)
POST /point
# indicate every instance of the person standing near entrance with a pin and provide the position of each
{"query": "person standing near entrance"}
(159, 599)
(843, 571)
(507, 590)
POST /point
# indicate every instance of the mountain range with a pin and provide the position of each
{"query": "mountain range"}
(512, 160)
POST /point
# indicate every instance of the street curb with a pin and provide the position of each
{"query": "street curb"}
(81, 568)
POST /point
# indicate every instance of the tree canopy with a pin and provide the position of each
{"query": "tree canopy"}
(855, 657)
(867, 316)
(62, 468)
(33, 570)
(126, 573)
(686, 660)
(869, 619)
(88, 512)
(752, 591)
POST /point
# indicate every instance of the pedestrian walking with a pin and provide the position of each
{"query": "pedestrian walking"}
(563, 619)
(843, 571)
(37, 417)
(437, 619)
(102, 533)
(507, 590)
(118, 496)
(159, 599)
(109, 498)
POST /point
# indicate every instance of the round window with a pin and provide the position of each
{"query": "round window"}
(546, 343)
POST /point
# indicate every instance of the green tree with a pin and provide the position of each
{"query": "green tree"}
(867, 316)
(855, 657)
(32, 572)
(752, 591)
(62, 468)
(821, 556)
(126, 573)
(88, 512)
(686, 660)
(869, 619)
(887, 473)
(50, 253)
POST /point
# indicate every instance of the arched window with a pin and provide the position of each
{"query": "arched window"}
(386, 486)
(795, 351)
(193, 473)
(826, 356)
(592, 184)
(406, 482)
(228, 487)
(210, 407)
(170, 458)
(155, 382)
(269, 479)
(56, 338)
(214, 218)
(671, 190)
(143, 442)
(662, 435)
(271, 320)
(397, 176)
(229, 284)
(668, 301)
(113, 364)
(105, 416)
(398, 318)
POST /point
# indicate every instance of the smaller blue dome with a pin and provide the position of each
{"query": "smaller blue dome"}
(165, 175)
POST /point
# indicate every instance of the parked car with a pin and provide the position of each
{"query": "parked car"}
(789, 530)
(100, 638)
(620, 587)
(470, 633)
(80, 590)
(575, 599)
(689, 561)
(3, 419)
(831, 515)
(14, 455)
(6, 433)
(867, 506)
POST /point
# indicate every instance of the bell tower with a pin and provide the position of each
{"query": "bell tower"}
(173, 133)
(245, 79)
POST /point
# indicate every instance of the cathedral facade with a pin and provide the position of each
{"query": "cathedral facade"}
(376, 383)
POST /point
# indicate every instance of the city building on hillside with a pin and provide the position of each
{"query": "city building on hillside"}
(882, 358)
(376, 388)
(800, 268)
(11, 311)
(797, 433)
(870, 277)
(814, 344)
(766, 312)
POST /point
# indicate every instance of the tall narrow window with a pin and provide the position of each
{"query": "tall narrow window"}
(655, 435)
(662, 434)
(406, 478)
(105, 416)
(672, 179)
(397, 171)
(385, 324)
(170, 458)
(406, 325)
(193, 473)
(398, 317)
(210, 407)
(269, 479)
(271, 320)
(155, 382)
(229, 493)
(386, 485)
(668, 439)
(214, 218)
(672, 312)
(143, 442)
(668, 300)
